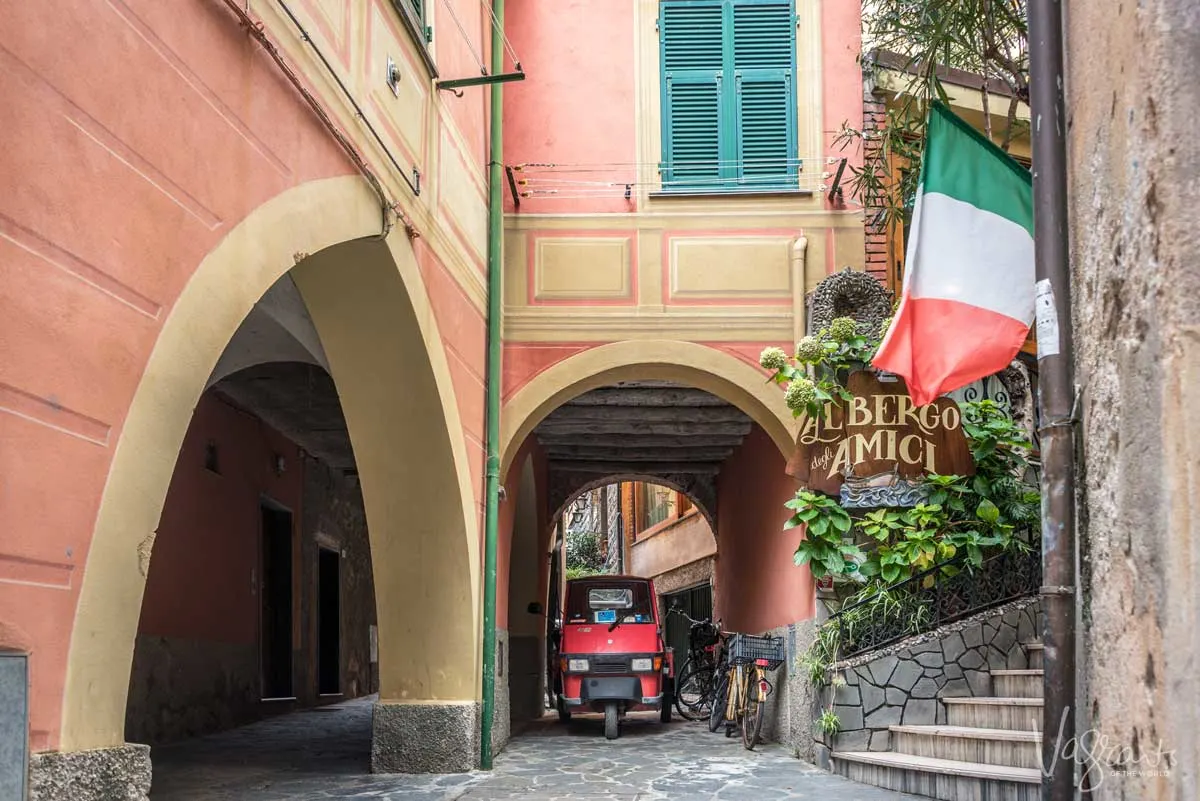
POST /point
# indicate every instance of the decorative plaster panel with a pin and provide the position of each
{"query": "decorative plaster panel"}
(596, 268)
(460, 196)
(404, 116)
(733, 268)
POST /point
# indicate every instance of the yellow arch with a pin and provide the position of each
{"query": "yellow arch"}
(688, 363)
(276, 236)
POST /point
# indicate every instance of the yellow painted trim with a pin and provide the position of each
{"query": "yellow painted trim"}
(687, 363)
(961, 97)
(225, 286)
(786, 215)
(604, 324)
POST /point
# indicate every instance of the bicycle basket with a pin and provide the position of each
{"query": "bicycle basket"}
(747, 649)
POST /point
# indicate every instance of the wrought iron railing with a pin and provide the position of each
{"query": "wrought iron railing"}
(908, 608)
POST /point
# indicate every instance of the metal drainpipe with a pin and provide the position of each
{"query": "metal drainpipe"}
(1057, 393)
(494, 353)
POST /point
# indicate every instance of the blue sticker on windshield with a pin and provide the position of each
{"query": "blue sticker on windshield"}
(606, 616)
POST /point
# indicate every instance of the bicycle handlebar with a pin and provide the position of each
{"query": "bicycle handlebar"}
(675, 610)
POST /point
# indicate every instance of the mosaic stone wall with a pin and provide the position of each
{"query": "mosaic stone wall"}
(903, 683)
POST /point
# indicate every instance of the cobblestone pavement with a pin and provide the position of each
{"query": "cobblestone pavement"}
(324, 754)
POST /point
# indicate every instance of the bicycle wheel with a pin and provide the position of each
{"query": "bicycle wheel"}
(693, 691)
(755, 707)
(716, 715)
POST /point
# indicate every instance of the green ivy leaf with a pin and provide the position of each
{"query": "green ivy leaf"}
(987, 511)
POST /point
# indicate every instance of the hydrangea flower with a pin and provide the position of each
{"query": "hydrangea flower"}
(809, 349)
(799, 394)
(773, 359)
(843, 328)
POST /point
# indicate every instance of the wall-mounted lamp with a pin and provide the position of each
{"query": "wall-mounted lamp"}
(393, 76)
(280, 465)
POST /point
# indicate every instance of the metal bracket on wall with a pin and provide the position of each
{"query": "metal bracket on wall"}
(836, 187)
(483, 80)
(512, 187)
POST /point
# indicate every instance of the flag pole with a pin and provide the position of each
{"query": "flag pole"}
(1056, 390)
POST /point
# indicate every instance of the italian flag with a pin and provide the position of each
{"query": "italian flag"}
(968, 297)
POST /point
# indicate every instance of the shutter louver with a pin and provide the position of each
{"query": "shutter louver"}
(764, 54)
(692, 58)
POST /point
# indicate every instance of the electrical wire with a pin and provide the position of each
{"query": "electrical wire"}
(257, 31)
(508, 48)
(530, 166)
(458, 24)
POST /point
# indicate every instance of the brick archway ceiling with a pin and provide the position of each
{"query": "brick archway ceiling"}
(643, 428)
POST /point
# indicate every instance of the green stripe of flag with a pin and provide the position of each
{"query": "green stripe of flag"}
(960, 162)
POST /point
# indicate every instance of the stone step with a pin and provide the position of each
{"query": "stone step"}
(947, 779)
(1019, 714)
(1016, 749)
(1018, 683)
(1034, 651)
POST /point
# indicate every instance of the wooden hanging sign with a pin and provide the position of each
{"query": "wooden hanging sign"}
(879, 433)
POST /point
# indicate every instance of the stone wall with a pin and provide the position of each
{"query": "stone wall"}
(1133, 170)
(502, 711)
(526, 682)
(683, 577)
(103, 774)
(181, 688)
(334, 516)
(789, 713)
(903, 682)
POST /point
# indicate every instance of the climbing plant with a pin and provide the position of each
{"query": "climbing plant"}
(584, 556)
(962, 521)
(987, 38)
(967, 515)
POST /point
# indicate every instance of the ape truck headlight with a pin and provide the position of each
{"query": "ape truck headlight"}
(643, 665)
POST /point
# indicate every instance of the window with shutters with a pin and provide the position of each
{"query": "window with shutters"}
(413, 13)
(728, 95)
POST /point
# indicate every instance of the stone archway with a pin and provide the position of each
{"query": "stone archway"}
(684, 363)
(385, 354)
(566, 488)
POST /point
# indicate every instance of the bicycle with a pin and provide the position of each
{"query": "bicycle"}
(696, 680)
(743, 690)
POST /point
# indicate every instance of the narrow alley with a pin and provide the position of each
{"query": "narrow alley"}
(324, 753)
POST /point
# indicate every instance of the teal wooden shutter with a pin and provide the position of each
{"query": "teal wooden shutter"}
(764, 58)
(691, 36)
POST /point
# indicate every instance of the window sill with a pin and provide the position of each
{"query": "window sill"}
(665, 525)
(694, 194)
(417, 31)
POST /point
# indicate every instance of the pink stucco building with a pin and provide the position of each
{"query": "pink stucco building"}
(206, 207)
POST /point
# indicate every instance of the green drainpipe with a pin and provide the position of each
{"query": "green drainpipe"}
(495, 259)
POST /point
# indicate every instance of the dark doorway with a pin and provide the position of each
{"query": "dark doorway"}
(329, 626)
(276, 596)
(697, 603)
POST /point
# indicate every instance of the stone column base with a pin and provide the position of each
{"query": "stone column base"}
(106, 774)
(428, 737)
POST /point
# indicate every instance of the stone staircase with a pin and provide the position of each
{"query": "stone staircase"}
(987, 750)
